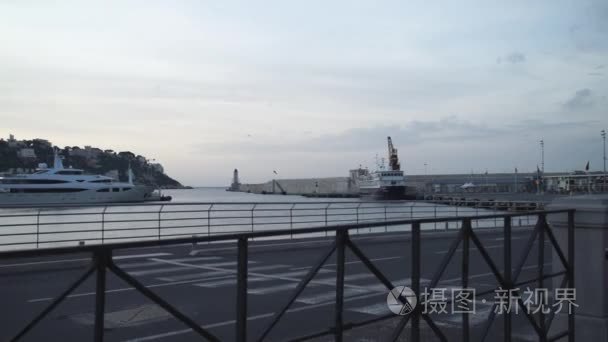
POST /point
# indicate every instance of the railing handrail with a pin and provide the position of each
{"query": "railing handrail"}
(158, 204)
(250, 235)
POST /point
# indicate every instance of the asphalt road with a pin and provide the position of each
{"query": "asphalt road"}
(201, 282)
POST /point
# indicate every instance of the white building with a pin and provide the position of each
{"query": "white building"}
(26, 153)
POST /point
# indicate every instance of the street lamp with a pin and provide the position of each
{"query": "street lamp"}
(542, 155)
(604, 138)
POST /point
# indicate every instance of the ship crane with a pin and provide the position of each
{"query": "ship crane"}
(392, 156)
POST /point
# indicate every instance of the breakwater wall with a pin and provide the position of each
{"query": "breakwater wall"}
(309, 186)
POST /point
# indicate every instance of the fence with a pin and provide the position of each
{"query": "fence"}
(51, 226)
(508, 279)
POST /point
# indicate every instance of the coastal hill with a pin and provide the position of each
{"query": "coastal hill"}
(17, 156)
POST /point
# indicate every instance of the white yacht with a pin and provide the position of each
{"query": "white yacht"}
(59, 185)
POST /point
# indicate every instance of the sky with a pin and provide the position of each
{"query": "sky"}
(310, 88)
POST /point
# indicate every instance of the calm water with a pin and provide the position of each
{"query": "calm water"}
(221, 195)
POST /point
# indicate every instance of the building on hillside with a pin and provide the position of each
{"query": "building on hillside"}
(26, 154)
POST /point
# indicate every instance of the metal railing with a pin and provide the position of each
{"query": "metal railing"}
(49, 226)
(508, 279)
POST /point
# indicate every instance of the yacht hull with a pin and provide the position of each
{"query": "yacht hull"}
(137, 194)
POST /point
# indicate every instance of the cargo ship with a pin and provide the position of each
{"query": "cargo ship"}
(384, 183)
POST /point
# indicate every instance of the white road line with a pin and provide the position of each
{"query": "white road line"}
(250, 318)
(260, 246)
(198, 276)
(471, 249)
(373, 309)
(232, 280)
(512, 238)
(352, 262)
(154, 263)
(180, 268)
(481, 275)
(82, 259)
(151, 255)
(215, 273)
(274, 289)
(124, 289)
(325, 296)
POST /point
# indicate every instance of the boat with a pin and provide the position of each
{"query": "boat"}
(59, 185)
(384, 184)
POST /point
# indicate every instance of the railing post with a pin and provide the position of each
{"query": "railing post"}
(570, 271)
(466, 226)
(103, 224)
(416, 280)
(160, 210)
(101, 258)
(38, 228)
(507, 276)
(291, 220)
(252, 217)
(359, 205)
(327, 207)
(241, 294)
(541, 273)
(385, 219)
(435, 215)
(341, 237)
(209, 222)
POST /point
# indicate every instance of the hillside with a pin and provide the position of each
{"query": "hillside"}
(25, 155)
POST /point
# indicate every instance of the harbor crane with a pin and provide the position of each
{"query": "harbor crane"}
(392, 156)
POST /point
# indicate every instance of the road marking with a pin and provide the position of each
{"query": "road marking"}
(232, 280)
(83, 259)
(352, 262)
(125, 289)
(255, 274)
(373, 309)
(250, 318)
(154, 263)
(151, 255)
(215, 273)
(471, 249)
(181, 267)
(512, 238)
(274, 289)
(330, 295)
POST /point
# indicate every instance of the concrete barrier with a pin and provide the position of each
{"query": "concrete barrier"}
(332, 185)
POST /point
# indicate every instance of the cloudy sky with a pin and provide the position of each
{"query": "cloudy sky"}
(310, 88)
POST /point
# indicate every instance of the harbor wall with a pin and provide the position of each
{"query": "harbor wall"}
(331, 185)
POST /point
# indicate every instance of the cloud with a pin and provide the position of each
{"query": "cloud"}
(513, 58)
(582, 99)
(516, 57)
